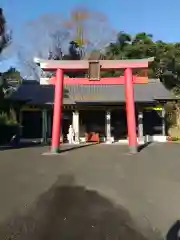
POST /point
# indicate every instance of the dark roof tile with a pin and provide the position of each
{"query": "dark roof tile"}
(44, 94)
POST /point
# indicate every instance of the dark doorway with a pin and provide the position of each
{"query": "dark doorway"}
(92, 121)
(66, 122)
(152, 122)
(32, 124)
(119, 124)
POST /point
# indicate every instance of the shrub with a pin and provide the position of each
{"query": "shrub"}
(6, 119)
(170, 114)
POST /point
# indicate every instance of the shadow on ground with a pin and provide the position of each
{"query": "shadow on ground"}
(73, 212)
(76, 147)
(143, 146)
(21, 145)
(33, 144)
(174, 231)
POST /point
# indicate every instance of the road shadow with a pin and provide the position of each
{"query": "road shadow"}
(76, 147)
(174, 231)
(70, 212)
(33, 144)
(28, 144)
(143, 146)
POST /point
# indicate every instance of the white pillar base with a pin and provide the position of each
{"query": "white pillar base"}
(108, 127)
(75, 124)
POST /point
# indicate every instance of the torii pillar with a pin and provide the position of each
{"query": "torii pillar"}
(80, 65)
(57, 113)
(130, 110)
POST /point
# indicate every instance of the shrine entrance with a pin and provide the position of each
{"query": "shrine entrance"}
(92, 121)
(119, 124)
(94, 67)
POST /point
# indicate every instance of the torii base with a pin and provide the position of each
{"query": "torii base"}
(50, 153)
(133, 149)
(55, 150)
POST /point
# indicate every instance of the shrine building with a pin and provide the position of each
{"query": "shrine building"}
(93, 109)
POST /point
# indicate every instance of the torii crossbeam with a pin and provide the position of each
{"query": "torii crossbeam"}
(94, 68)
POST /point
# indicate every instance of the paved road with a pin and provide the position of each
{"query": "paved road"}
(93, 192)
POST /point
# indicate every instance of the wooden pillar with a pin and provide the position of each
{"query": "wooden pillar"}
(130, 111)
(57, 112)
(163, 121)
(21, 122)
(140, 125)
(44, 126)
(49, 124)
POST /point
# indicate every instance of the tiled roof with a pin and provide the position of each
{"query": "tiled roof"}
(44, 94)
(37, 94)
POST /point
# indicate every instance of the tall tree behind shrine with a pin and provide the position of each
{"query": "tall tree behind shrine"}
(5, 40)
(2, 30)
(90, 32)
(5, 37)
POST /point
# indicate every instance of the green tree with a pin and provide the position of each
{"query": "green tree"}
(12, 76)
(5, 38)
(166, 65)
(2, 31)
(142, 45)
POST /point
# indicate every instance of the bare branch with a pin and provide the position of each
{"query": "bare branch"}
(50, 35)
(90, 29)
(28, 68)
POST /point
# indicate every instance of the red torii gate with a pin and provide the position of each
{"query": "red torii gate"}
(81, 65)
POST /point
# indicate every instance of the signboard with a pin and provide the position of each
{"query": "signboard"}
(30, 108)
(155, 108)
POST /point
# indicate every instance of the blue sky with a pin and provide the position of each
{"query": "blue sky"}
(158, 17)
